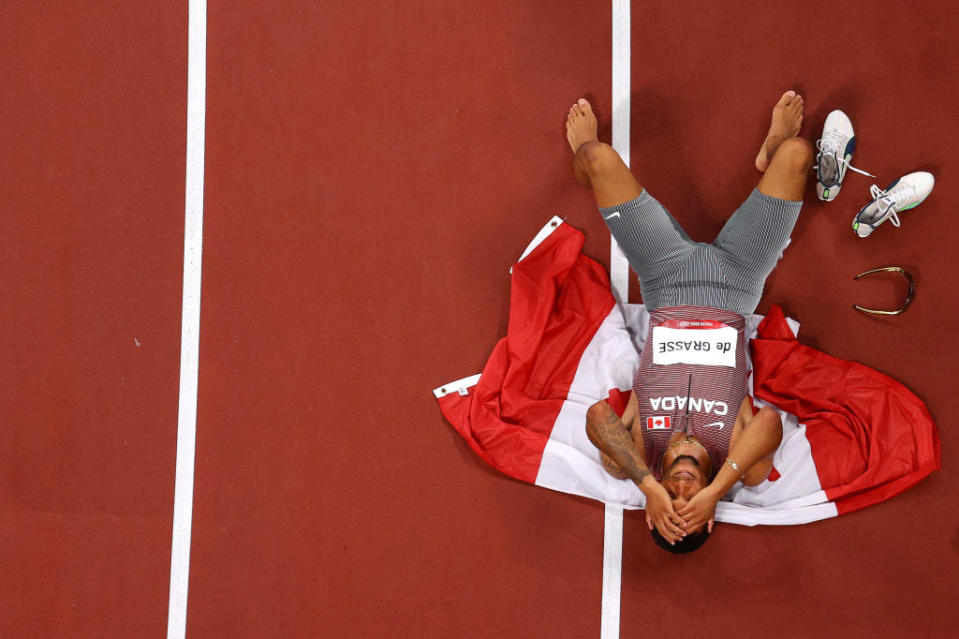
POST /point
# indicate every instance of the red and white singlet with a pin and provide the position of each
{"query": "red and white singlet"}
(692, 377)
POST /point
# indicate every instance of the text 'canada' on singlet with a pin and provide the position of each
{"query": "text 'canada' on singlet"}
(692, 378)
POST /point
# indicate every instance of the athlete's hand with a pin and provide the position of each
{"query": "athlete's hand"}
(660, 513)
(699, 510)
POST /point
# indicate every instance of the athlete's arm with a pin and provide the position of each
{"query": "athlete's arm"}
(628, 419)
(767, 433)
(752, 450)
(612, 437)
(631, 413)
(607, 432)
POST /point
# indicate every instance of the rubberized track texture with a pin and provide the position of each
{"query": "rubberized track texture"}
(372, 170)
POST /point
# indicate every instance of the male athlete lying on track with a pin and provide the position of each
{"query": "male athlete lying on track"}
(689, 432)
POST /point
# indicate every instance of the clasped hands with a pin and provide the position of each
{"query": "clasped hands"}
(672, 524)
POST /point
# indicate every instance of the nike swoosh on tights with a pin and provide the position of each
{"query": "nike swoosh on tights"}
(612, 215)
(720, 424)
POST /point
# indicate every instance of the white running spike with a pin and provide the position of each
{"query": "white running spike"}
(836, 147)
(906, 193)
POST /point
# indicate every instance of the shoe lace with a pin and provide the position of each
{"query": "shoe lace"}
(830, 143)
(893, 199)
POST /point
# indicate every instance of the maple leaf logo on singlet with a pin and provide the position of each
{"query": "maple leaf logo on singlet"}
(657, 423)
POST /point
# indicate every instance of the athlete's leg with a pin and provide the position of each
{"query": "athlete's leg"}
(788, 170)
(759, 230)
(654, 243)
(596, 164)
(652, 240)
(609, 177)
(755, 236)
(786, 122)
(785, 175)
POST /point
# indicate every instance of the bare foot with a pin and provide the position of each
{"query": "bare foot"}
(787, 120)
(580, 125)
(580, 129)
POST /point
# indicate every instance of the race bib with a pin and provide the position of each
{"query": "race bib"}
(704, 346)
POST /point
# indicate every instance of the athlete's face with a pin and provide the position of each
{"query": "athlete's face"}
(683, 479)
(686, 474)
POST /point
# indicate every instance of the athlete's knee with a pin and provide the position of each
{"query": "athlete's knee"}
(596, 157)
(797, 153)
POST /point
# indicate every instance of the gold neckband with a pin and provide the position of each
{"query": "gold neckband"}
(686, 441)
(708, 469)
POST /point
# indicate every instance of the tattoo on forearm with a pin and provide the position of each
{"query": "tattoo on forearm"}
(622, 448)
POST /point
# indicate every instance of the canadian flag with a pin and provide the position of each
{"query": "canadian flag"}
(852, 436)
(657, 423)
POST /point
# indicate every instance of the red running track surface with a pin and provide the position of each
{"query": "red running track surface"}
(372, 170)
(91, 261)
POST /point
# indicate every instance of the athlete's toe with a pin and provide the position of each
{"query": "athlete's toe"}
(787, 98)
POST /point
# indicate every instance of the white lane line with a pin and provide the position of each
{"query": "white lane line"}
(619, 280)
(618, 266)
(190, 328)
(612, 569)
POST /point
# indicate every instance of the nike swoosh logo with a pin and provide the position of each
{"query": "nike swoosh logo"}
(720, 424)
(612, 215)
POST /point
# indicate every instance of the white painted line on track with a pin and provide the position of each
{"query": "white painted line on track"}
(612, 569)
(619, 280)
(190, 328)
(618, 266)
